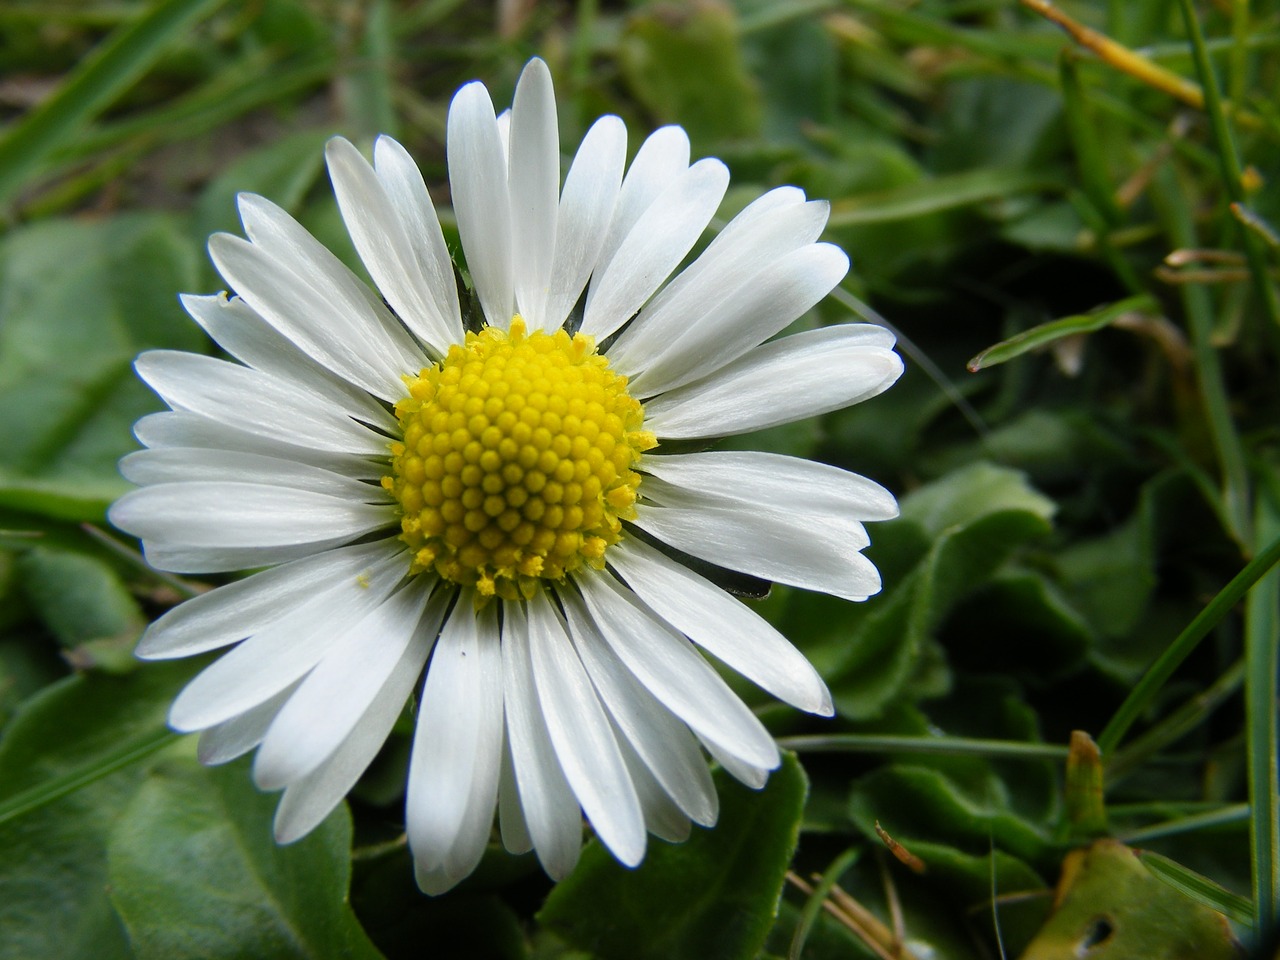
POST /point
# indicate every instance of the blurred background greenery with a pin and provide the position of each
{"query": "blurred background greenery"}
(1072, 202)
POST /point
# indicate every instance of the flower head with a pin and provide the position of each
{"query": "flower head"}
(481, 492)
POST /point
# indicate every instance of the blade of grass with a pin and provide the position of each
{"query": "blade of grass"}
(256, 79)
(43, 793)
(864, 312)
(113, 66)
(1160, 671)
(813, 903)
(1173, 727)
(944, 746)
(1234, 813)
(1232, 172)
(1176, 210)
(1090, 163)
(1020, 54)
(1046, 333)
(368, 85)
(1261, 640)
(1197, 887)
(1119, 56)
(947, 192)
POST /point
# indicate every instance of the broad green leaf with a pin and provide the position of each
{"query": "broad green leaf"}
(463, 924)
(971, 493)
(194, 872)
(1046, 333)
(797, 66)
(1111, 907)
(953, 535)
(714, 897)
(965, 806)
(78, 301)
(25, 667)
(973, 879)
(1018, 623)
(82, 601)
(684, 65)
(998, 122)
(53, 859)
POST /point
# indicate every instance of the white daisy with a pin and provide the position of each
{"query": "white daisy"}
(487, 498)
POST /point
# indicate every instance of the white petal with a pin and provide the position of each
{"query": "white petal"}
(189, 464)
(311, 297)
(662, 817)
(241, 609)
(669, 666)
(340, 690)
(284, 650)
(533, 175)
(662, 157)
(583, 739)
(722, 625)
(664, 744)
(512, 826)
(179, 428)
(774, 225)
(764, 542)
(654, 247)
(255, 402)
(789, 482)
(402, 180)
(433, 882)
(388, 251)
(241, 332)
(457, 743)
(477, 820)
(237, 736)
(478, 177)
(550, 809)
(504, 136)
(210, 527)
(782, 290)
(753, 776)
(799, 376)
(308, 801)
(586, 209)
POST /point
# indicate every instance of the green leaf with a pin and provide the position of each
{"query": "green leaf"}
(1046, 333)
(78, 301)
(1111, 907)
(684, 65)
(53, 860)
(974, 519)
(713, 897)
(194, 872)
(965, 806)
(975, 878)
(81, 600)
(1018, 623)
(971, 493)
(947, 192)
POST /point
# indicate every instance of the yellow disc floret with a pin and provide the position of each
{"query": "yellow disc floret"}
(517, 460)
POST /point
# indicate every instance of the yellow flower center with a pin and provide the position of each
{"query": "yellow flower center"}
(517, 460)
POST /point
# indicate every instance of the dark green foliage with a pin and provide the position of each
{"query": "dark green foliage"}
(1066, 512)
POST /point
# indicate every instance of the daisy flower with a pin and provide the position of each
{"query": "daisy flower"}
(467, 496)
